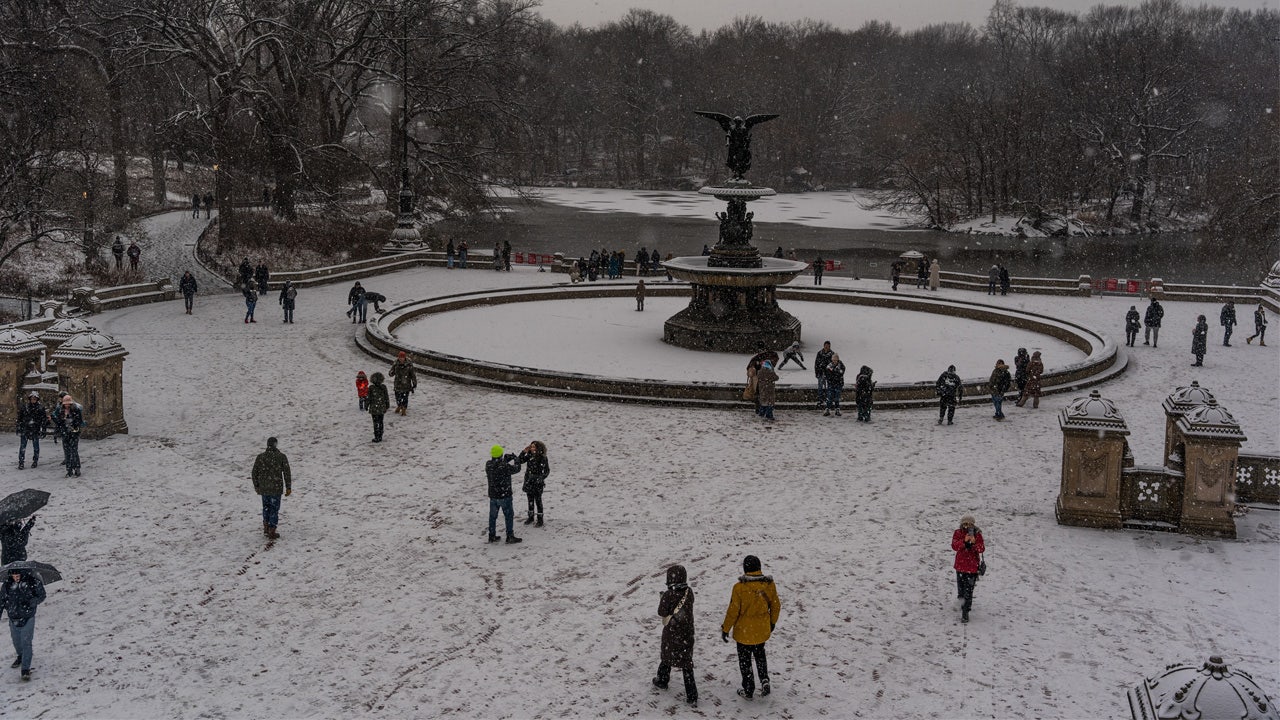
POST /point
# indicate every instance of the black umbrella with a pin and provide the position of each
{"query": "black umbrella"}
(22, 503)
(46, 572)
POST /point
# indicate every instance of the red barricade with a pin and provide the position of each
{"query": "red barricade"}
(831, 265)
(1134, 286)
(1112, 283)
(519, 257)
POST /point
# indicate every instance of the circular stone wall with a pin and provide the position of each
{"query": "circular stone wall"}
(1097, 357)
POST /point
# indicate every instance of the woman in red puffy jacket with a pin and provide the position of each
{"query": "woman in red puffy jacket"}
(967, 542)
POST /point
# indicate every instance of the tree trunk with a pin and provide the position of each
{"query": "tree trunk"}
(285, 170)
(159, 188)
(120, 183)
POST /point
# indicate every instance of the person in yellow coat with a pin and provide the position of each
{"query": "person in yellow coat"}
(752, 614)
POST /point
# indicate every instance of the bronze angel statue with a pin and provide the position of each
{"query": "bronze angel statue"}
(737, 134)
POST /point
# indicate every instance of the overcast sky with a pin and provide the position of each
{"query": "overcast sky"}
(849, 14)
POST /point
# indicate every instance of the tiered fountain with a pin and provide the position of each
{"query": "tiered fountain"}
(734, 308)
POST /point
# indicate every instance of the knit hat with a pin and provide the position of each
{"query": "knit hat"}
(495, 451)
(271, 442)
(401, 356)
(66, 399)
(750, 563)
(967, 519)
(768, 365)
(360, 373)
(34, 394)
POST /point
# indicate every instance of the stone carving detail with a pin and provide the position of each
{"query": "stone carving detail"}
(1149, 491)
(1093, 470)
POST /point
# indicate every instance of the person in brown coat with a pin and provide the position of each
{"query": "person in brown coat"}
(640, 296)
(1035, 369)
(676, 610)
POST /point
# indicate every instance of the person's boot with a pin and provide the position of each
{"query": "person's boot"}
(77, 471)
(764, 689)
(22, 465)
(35, 462)
(744, 694)
(494, 538)
(70, 472)
(656, 683)
(964, 616)
(539, 522)
(529, 520)
(1262, 343)
(512, 540)
(266, 529)
(17, 662)
(271, 532)
(1249, 340)
(1035, 402)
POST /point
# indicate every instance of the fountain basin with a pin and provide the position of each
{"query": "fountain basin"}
(773, 271)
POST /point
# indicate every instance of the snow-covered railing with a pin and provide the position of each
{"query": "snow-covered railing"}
(109, 298)
(1080, 286)
(1258, 479)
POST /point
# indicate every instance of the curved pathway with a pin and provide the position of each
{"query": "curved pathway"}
(168, 245)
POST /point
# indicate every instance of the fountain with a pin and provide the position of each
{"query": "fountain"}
(734, 306)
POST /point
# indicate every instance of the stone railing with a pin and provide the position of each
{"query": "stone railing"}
(1258, 479)
(1151, 498)
(1242, 295)
(109, 298)
(1075, 287)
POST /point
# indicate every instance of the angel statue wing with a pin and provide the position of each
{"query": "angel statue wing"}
(721, 118)
(757, 119)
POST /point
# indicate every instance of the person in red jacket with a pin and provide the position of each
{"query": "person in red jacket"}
(967, 542)
(362, 390)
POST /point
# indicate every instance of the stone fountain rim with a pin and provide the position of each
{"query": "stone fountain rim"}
(1104, 361)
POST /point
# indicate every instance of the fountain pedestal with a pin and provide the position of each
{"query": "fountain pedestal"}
(734, 306)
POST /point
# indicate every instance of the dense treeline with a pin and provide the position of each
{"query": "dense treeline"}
(1126, 115)
(1123, 114)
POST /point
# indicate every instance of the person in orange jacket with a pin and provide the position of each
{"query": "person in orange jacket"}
(752, 615)
(362, 390)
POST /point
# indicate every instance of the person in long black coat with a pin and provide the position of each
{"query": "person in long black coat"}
(1199, 341)
(536, 470)
(1020, 362)
(1152, 320)
(677, 633)
(950, 391)
(1132, 324)
(1227, 318)
(33, 424)
(863, 389)
(1004, 280)
(187, 285)
(13, 540)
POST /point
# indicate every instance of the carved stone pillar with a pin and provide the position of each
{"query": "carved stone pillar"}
(1211, 438)
(1180, 402)
(20, 352)
(1093, 452)
(91, 368)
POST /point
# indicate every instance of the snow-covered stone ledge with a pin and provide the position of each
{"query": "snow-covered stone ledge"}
(1104, 360)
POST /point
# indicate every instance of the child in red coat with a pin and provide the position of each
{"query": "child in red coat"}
(362, 390)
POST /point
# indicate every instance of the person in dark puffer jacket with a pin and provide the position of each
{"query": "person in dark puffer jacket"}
(534, 458)
(20, 593)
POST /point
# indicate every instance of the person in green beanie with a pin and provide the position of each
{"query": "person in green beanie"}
(499, 469)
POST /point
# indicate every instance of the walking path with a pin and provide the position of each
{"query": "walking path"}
(168, 249)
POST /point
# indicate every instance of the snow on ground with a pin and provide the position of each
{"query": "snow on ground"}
(382, 598)
(849, 210)
(168, 248)
(610, 338)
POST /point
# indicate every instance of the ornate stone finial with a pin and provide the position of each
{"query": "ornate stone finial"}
(16, 342)
(1185, 398)
(1273, 277)
(1210, 420)
(89, 346)
(1211, 692)
(1092, 413)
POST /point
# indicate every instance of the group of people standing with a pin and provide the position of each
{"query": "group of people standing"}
(119, 251)
(927, 275)
(197, 200)
(1153, 318)
(828, 369)
(33, 424)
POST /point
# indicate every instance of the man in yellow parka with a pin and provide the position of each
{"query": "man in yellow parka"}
(752, 614)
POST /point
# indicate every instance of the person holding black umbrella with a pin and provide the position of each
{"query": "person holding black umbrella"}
(19, 595)
(13, 540)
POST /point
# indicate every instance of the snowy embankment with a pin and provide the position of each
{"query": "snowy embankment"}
(382, 598)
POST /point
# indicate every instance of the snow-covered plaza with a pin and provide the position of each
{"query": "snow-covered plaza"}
(383, 599)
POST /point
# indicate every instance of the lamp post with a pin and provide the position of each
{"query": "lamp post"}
(217, 191)
(405, 237)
